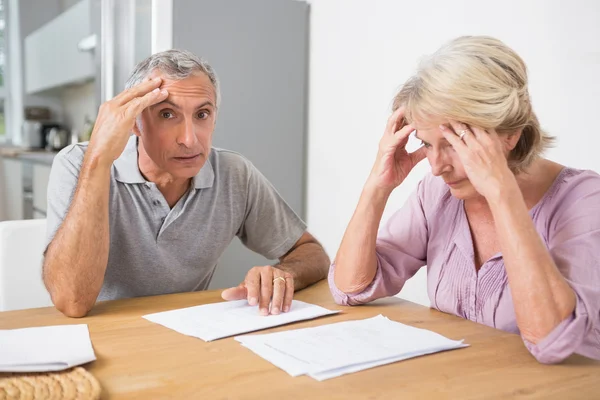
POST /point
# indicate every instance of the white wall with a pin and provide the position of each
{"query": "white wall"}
(362, 51)
(78, 101)
(65, 4)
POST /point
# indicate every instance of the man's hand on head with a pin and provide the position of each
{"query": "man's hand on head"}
(266, 285)
(116, 119)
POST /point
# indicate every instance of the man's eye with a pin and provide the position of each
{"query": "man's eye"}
(166, 114)
(427, 145)
(203, 115)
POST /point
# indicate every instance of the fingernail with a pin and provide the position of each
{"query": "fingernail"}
(253, 301)
(164, 91)
(286, 308)
(156, 90)
(275, 310)
(264, 311)
(157, 79)
(442, 127)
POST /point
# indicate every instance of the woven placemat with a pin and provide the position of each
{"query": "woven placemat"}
(72, 384)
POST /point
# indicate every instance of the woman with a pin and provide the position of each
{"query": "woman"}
(510, 239)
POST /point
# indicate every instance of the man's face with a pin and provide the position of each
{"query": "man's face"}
(177, 133)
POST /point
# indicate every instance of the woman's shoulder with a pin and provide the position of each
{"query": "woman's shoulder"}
(575, 186)
(575, 196)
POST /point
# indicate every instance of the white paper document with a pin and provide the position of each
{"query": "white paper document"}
(48, 348)
(215, 321)
(333, 350)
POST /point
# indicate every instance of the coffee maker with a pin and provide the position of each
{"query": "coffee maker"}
(36, 127)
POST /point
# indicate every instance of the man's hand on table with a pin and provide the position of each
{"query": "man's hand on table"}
(266, 285)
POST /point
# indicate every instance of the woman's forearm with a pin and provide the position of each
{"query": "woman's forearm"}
(356, 263)
(542, 297)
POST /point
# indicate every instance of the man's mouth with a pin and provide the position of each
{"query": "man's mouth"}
(189, 158)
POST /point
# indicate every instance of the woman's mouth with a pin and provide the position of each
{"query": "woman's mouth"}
(454, 183)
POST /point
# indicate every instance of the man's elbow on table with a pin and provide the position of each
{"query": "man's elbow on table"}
(72, 302)
(70, 305)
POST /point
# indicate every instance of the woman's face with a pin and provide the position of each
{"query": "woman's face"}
(444, 160)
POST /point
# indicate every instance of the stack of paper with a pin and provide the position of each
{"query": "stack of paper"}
(50, 348)
(336, 349)
(215, 321)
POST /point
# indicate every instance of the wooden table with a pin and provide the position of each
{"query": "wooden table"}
(141, 360)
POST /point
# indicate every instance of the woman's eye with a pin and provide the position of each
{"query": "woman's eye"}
(427, 145)
(448, 147)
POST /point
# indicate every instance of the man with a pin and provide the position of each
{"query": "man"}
(151, 213)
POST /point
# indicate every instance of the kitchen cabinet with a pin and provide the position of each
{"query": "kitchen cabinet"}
(38, 215)
(41, 176)
(23, 188)
(12, 192)
(52, 54)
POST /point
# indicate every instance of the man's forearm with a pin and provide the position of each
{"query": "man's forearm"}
(308, 263)
(76, 259)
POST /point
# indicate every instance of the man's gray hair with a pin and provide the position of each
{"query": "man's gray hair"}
(175, 64)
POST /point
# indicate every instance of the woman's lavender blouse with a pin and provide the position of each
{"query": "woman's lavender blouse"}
(432, 229)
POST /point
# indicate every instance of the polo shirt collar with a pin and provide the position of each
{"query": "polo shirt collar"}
(127, 170)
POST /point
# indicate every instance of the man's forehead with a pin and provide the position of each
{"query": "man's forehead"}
(197, 84)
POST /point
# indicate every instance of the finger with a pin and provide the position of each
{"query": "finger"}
(491, 133)
(289, 294)
(266, 290)
(394, 120)
(235, 293)
(461, 130)
(418, 155)
(478, 132)
(278, 293)
(405, 132)
(253, 286)
(468, 137)
(139, 104)
(485, 136)
(401, 137)
(137, 91)
(454, 140)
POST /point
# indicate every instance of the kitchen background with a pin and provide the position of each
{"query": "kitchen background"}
(75, 54)
(307, 86)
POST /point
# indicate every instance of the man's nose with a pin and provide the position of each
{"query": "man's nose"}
(187, 135)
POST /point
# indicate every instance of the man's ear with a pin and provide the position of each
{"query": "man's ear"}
(136, 127)
(510, 140)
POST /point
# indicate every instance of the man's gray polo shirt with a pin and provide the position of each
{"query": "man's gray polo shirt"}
(157, 250)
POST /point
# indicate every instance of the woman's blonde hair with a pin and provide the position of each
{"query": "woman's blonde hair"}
(479, 81)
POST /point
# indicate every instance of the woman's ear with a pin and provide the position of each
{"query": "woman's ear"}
(510, 140)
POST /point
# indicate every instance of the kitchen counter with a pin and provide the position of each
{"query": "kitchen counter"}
(33, 156)
(24, 177)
